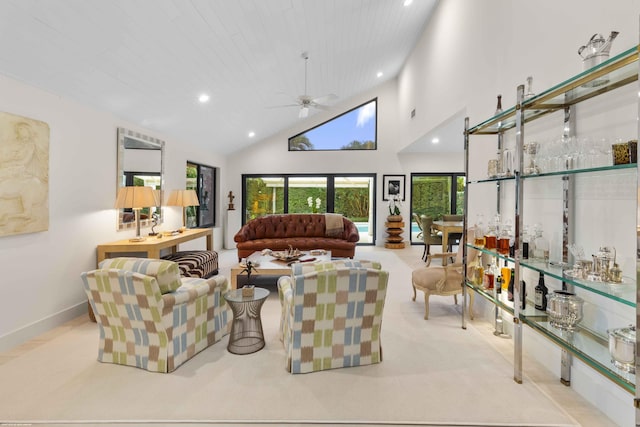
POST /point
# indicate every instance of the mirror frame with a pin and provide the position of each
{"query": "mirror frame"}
(122, 135)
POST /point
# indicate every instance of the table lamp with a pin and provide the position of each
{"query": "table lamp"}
(183, 198)
(136, 198)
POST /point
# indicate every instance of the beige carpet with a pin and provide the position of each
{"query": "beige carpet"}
(433, 373)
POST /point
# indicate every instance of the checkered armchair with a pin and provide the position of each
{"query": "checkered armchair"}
(332, 314)
(151, 318)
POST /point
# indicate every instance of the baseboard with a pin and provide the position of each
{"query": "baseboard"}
(26, 333)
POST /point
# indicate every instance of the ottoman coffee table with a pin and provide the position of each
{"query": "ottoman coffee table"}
(268, 265)
(246, 328)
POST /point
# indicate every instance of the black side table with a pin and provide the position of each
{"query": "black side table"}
(246, 330)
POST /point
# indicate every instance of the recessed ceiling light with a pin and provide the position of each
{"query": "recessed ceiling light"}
(380, 74)
(204, 98)
(252, 134)
(435, 141)
(407, 2)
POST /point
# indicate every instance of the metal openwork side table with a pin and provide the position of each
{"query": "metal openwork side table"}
(246, 330)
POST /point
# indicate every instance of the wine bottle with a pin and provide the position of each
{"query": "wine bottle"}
(499, 106)
(499, 285)
(541, 293)
(510, 287)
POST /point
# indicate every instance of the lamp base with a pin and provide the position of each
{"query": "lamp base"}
(137, 239)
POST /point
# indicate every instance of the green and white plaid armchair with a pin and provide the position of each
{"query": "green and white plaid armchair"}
(152, 318)
(332, 314)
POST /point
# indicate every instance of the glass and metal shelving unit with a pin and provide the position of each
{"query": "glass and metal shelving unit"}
(587, 345)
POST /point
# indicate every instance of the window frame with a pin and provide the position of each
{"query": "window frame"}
(331, 193)
(452, 195)
(202, 189)
(335, 118)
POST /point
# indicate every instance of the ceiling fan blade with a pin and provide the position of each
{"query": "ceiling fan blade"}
(319, 106)
(283, 106)
(324, 99)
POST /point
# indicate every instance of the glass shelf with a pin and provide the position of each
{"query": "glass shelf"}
(498, 179)
(501, 299)
(588, 346)
(491, 252)
(591, 348)
(613, 73)
(624, 292)
(581, 171)
(558, 173)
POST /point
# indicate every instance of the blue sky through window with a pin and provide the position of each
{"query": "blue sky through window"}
(358, 124)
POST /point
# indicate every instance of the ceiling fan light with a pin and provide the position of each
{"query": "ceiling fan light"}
(304, 112)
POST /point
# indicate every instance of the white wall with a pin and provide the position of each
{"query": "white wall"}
(41, 284)
(472, 51)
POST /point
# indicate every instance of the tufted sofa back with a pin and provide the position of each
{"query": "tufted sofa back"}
(292, 225)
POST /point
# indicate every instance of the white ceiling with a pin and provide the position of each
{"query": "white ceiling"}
(146, 61)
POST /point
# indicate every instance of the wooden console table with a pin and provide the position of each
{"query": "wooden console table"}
(153, 245)
(150, 247)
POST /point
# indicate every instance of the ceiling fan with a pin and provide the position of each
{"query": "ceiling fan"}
(305, 102)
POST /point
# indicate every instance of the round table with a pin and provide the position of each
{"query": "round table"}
(246, 329)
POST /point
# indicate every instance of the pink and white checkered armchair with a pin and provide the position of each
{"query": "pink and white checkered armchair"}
(152, 318)
(332, 314)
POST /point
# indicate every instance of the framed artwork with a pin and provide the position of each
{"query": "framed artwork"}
(24, 175)
(392, 185)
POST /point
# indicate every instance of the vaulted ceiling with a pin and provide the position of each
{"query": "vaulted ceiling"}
(147, 61)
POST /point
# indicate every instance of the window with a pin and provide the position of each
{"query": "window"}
(354, 130)
(435, 195)
(202, 179)
(350, 195)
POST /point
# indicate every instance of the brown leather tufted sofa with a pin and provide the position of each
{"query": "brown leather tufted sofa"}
(301, 231)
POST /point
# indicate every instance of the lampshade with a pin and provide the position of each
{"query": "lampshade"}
(183, 198)
(304, 112)
(136, 198)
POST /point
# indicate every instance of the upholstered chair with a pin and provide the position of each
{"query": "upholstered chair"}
(152, 318)
(429, 237)
(332, 314)
(444, 279)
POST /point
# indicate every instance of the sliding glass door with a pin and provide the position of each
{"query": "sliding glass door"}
(435, 195)
(349, 195)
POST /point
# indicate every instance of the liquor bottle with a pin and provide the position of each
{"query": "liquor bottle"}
(504, 238)
(541, 294)
(489, 277)
(491, 238)
(479, 274)
(529, 93)
(506, 275)
(510, 287)
(525, 242)
(499, 106)
(499, 285)
(523, 294)
(540, 245)
(479, 231)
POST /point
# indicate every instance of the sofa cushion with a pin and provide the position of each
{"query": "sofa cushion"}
(166, 273)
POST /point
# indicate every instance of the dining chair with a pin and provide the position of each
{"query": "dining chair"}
(454, 238)
(429, 237)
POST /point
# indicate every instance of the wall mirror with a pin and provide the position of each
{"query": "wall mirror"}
(140, 162)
